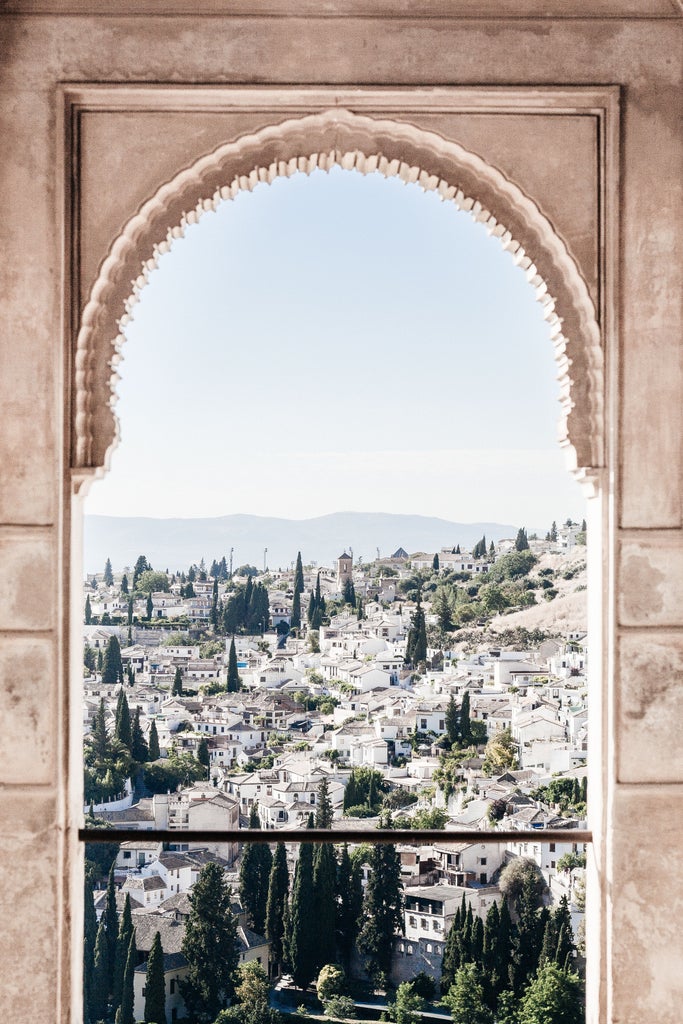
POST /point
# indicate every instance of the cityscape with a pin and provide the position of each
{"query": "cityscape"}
(442, 690)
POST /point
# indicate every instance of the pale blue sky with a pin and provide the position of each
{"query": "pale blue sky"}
(338, 342)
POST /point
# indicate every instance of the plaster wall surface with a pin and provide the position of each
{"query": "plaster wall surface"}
(636, 46)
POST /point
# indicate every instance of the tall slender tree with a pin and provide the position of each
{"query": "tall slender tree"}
(155, 985)
(298, 575)
(88, 610)
(112, 666)
(138, 745)
(325, 895)
(382, 910)
(99, 987)
(108, 574)
(301, 936)
(233, 684)
(122, 727)
(177, 689)
(324, 812)
(209, 946)
(255, 868)
(465, 727)
(125, 1012)
(122, 944)
(295, 617)
(349, 905)
(153, 753)
(111, 924)
(278, 889)
(124, 584)
(452, 721)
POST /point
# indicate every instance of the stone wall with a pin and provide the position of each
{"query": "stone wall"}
(631, 270)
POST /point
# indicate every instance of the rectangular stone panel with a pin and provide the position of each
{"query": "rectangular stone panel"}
(27, 710)
(27, 570)
(646, 895)
(650, 584)
(650, 707)
(30, 933)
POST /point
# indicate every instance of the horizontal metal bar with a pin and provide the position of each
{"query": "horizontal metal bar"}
(318, 835)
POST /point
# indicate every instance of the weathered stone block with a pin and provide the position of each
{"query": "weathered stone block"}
(650, 708)
(648, 832)
(27, 710)
(27, 568)
(30, 935)
(651, 581)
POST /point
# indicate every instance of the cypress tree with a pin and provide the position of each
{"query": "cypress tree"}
(465, 729)
(88, 610)
(477, 940)
(122, 944)
(452, 721)
(112, 666)
(111, 924)
(301, 937)
(124, 584)
(298, 576)
(209, 946)
(324, 812)
(382, 910)
(130, 611)
(527, 941)
(295, 618)
(108, 574)
(255, 869)
(124, 1014)
(177, 689)
(310, 611)
(122, 728)
(89, 940)
(138, 744)
(99, 987)
(466, 997)
(278, 889)
(521, 541)
(100, 660)
(234, 683)
(325, 896)
(451, 954)
(489, 952)
(349, 905)
(155, 985)
(149, 607)
(154, 752)
(203, 755)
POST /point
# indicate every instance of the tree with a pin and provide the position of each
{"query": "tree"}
(301, 937)
(99, 986)
(521, 541)
(88, 610)
(138, 745)
(122, 727)
(253, 993)
(203, 755)
(124, 1014)
(108, 574)
(295, 617)
(325, 895)
(124, 584)
(382, 910)
(527, 940)
(349, 904)
(278, 889)
(89, 659)
(112, 666)
(154, 752)
(122, 943)
(452, 721)
(331, 982)
(435, 563)
(234, 683)
(298, 575)
(340, 1008)
(516, 874)
(416, 644)
(111, 924)
(465, 998)
(408, 1004)
(89, 936)
(130, 612)
(209, 946)
(142, 565)
(255, 868)
(323, 811)
(149, 607)
(155, 986)
(465, 727)
(177, 689)
(554, 997)
(500, 753)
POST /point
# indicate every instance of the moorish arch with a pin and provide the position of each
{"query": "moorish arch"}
(352, 141)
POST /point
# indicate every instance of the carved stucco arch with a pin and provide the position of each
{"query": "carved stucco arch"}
(339, 137)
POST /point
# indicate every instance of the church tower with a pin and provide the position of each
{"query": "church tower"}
(344, 567)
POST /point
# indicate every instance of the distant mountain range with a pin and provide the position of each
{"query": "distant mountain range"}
(177, 543)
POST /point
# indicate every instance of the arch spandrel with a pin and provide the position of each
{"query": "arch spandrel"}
(352, 141)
